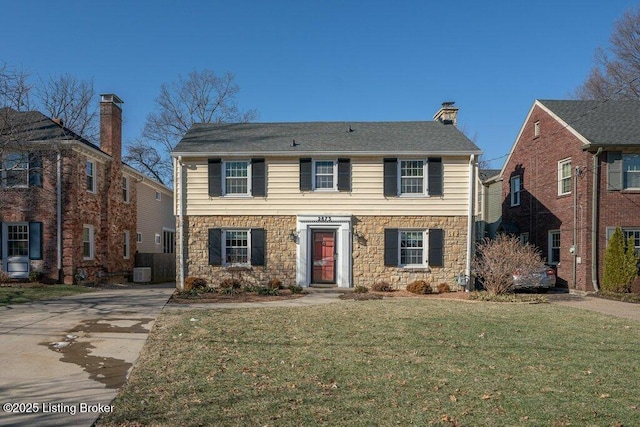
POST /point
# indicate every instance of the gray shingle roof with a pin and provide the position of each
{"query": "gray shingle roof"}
(485, 174)
(30, 126)
(325, 137)
(602, 123)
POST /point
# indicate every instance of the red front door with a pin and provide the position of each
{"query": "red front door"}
(323, 256)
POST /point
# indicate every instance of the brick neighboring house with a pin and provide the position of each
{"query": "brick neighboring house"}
(335, 203)
(68, 208)
(563, 151)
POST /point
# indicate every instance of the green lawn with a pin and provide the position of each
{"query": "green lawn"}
(386, 362)
(19, 295)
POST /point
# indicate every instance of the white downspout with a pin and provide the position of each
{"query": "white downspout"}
(594, 222)
(180, 225)
(470, 218)
(59, 215)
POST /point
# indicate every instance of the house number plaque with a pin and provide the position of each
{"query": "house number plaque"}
(324, 219)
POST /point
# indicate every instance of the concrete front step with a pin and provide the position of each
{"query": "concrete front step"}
(327, 289)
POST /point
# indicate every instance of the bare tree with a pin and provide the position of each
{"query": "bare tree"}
(616, 74)
(15, 89)
(71, 100)
(201, 97)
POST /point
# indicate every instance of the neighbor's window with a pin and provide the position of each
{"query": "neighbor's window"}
(236, 247)
(631, 237)
(126, 246)
(536, 129)
(554, 247)
(168, 241)
(236, 177)
(516, 188)
(412, 248)
(138, 237)
(18, 240)
(324, 172)
(524, 238)
(16, 170)
(157, 238)
(564, 177)
(88, 243)
(158, 196)
(125, 189)
(91, 176)
(412, 176)
(631, 168)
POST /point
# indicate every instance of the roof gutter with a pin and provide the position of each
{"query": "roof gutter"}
(294, 153)
(179, 196)
(470, 220)
(594, 221)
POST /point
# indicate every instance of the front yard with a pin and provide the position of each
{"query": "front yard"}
(23, 293)
(398, 361)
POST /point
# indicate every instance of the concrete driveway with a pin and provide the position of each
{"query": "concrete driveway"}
(62, 361)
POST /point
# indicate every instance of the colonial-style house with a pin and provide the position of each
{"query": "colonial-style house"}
(69, 210)
(571, 178)
(337, 203)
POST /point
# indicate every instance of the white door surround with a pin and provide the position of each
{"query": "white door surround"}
(342, 225)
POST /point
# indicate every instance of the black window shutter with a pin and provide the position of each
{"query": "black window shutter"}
(390, 177)
(258, 178)
(614, 170)
(35, 240)
(436, 247)
(257, 246)
(0, 240)
(305, 174)
(215, 246)
(215, 177)
(344, 174)
(35, 170)
(391, 247)
(435, 176)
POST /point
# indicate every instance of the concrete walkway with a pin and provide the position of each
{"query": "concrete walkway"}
(612, 308)
(63, 360)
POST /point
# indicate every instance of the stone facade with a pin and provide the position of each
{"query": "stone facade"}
(367, 250)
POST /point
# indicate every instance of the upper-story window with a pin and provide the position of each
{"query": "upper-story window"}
(564, 177)
(412, 173)
(88, 242)
(21, 170)
(536, 129)
(158, 196)
(91, 176)
(125, 189)
(631, 170)
(516, 189)
(413, 177)
(324, 175)
(237, 178)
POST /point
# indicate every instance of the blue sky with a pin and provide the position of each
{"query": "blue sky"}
(325, 60)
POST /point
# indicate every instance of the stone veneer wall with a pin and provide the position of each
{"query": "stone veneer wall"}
(367, 252)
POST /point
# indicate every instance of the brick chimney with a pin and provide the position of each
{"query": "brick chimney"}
(111, 126)
(448, 114)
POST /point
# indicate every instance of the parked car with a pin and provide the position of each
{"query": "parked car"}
(541, 280)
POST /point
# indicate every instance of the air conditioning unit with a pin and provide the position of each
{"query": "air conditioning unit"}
(142, 274)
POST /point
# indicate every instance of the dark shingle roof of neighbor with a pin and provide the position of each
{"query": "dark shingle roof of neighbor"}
(30, 126)
(601, 122)
(325, 137)
(485, 174)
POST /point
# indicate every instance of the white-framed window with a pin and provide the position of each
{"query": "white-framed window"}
(168, 241)
(126, 247)
(325, 174)
(516, 188)
(236, 247)
(125, 189)
(631, 171)
(412, 248)
(16, 170)
(158, 196)
(631, 236)
(91, 175)
(536, 129)
(237, 177)
(88, 242)
(524, 238)
(138, 237)
(158, 239)
(17, 240)
(554, 247)
(411, 176)
(564, 177)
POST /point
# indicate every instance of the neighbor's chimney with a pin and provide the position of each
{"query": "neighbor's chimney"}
(111, 125)
(448, 114)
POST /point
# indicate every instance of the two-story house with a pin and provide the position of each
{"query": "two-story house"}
(69, 209)
(335, 203)
(571, 178)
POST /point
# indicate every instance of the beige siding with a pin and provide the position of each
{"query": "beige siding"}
(366, 198)
(153, 216)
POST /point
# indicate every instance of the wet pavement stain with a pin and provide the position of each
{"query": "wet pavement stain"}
(109, 371)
